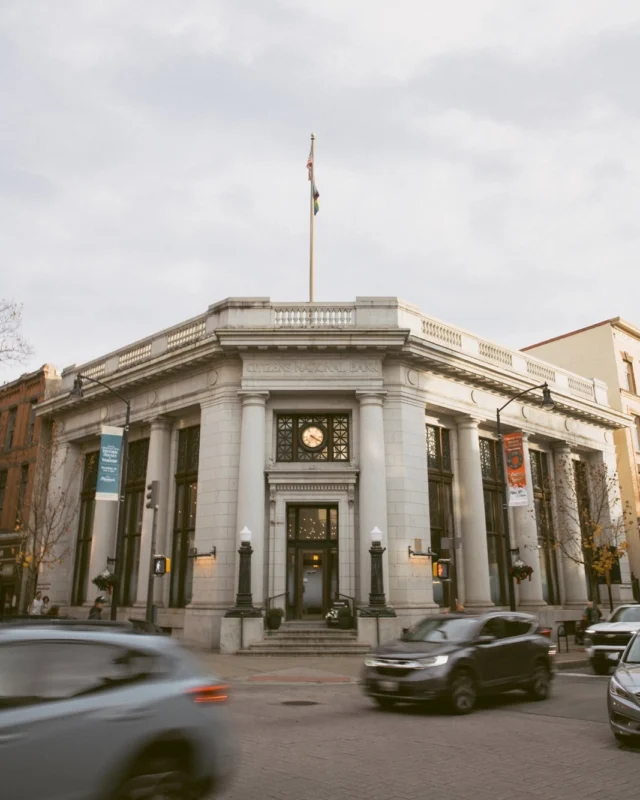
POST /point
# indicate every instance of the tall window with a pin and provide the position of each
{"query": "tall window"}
(440, 498)
(3, 489)
(491, 484)
(11, 428)
(628, 376)
(22, 494)
(312, 437)
(134, 493)
(637, 431)
(184, 520)
(32, 422)
(85, 529)
(542, 499)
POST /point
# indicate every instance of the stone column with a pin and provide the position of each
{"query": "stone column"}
(410, 579)
(372, 492)
(251, 486)
(477, 590)
(158, 469)
(103, 541)
(526, 534)
(568, 531)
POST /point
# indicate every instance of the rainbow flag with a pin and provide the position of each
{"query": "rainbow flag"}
(316, 199)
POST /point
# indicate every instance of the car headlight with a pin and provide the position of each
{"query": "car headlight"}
(617, 690)
(434, 661)
(589, 632)
(370, 661)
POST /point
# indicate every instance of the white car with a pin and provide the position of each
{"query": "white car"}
(94, 712)
(605, 642)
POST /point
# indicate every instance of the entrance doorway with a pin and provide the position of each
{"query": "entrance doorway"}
(312, 560)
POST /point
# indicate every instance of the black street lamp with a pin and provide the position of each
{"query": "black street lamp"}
(377, 598)
(244, 599)
(548, 405)
(120, 523)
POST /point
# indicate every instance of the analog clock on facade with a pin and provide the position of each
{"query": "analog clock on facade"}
(312, 437)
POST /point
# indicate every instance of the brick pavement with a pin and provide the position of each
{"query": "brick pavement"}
(345, 749)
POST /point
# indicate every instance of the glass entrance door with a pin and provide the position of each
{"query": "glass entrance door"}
(312, 560)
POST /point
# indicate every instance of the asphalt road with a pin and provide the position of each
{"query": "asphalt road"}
(329, 741)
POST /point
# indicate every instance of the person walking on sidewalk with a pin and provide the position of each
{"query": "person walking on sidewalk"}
(96, 608)
(35, 609)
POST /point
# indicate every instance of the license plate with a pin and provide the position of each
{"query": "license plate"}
(388, 686)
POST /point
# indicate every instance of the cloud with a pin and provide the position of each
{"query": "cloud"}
(477, 159)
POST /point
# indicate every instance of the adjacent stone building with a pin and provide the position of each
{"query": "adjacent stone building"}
(610, 351)
(312, 424)
(20, 433)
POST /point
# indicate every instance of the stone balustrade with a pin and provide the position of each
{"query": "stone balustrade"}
(366, 312)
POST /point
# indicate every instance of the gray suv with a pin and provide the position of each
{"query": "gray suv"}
(93, 712)
(457, 657)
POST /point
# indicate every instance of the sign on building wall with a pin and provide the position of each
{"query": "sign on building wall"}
(108, 485)
(516, 469)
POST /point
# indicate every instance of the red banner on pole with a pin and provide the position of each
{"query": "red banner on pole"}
(516, 470)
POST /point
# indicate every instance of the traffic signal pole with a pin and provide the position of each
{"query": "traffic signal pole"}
(153, 491)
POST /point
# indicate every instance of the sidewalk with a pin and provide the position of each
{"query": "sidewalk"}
(274, 670)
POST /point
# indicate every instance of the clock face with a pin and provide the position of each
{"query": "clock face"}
(313, 437)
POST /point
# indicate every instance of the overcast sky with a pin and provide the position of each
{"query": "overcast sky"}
(479, 159)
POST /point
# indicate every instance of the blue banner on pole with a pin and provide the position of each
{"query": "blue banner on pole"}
(108, 486)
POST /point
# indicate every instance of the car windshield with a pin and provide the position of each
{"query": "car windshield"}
(629, 614)
(633, 653)
(439, 629)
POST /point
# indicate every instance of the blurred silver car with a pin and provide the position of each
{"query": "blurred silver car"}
(93, 712)
(624, 695)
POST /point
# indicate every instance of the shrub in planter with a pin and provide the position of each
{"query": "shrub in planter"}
(274, 618)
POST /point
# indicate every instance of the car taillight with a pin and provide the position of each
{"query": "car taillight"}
(545, 632)
(213, 693)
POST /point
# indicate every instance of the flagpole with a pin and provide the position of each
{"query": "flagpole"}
(312, 223)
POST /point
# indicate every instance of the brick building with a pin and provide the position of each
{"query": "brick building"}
(20, 433)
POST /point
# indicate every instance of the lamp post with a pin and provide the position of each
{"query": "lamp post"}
(547, 405)
(376, 595)
(120, 523)
(244, 598)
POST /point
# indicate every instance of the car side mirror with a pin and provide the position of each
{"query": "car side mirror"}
(486, 639)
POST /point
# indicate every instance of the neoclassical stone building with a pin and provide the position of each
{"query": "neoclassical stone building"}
(311, 425)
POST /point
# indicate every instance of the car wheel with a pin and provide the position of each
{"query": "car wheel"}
(540, 683)
(464, 693)
(600, 667)
(157, 779)
(385, 703)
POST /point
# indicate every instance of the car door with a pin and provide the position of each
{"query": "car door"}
(518, 648)
(83, 713)
(491, 664)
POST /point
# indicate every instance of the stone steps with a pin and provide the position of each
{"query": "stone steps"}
(307, 639)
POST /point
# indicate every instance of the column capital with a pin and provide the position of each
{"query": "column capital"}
(467, 421)
(373, 397)
(250, 398)
(160, 423)
(561, 448)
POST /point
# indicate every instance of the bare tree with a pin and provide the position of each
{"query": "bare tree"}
(46, 514)
(14, 349)
(591, 520)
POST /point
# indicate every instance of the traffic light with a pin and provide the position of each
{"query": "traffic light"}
(161, 565)
(153, 493)
(441, 569)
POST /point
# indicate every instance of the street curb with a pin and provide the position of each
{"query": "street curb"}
(577, 663)
(298, 679)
